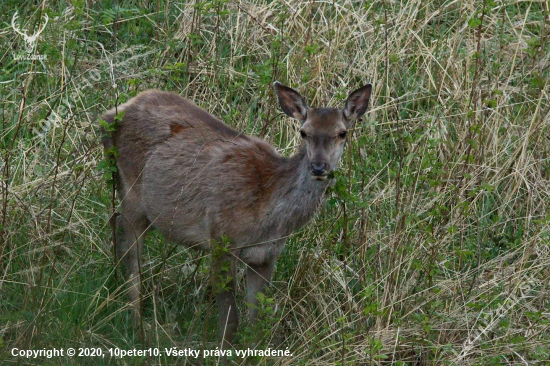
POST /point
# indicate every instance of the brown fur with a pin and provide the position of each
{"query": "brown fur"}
(196, 179)
(175, 128)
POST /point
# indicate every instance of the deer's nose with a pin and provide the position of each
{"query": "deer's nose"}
(319, 169)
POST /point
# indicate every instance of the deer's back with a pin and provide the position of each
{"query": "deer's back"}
(152, 118)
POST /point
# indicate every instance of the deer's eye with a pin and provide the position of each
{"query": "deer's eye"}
(343, 134)
(303, 134)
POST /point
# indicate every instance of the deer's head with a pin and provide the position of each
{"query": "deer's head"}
(323, 130)
(29, 40)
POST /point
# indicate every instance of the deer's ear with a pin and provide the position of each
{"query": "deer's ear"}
(291, 101)
(357, 103)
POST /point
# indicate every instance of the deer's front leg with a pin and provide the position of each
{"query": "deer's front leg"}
(224, 286)
(257, 276)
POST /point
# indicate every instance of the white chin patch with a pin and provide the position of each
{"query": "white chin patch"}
(320, 178)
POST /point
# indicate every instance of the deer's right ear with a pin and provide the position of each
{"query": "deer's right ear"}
(291, 101)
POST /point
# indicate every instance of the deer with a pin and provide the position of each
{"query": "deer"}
(197, 180)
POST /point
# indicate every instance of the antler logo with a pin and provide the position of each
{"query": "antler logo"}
(29, 40)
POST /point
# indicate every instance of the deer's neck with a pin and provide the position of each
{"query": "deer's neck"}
(298, 194)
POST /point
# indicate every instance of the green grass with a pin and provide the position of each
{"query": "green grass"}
(433, 247)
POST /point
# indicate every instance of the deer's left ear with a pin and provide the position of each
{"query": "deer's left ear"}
(357, 103)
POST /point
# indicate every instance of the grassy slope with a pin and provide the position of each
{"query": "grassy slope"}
(433, 247)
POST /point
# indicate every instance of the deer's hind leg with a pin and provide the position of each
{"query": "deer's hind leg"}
(132, 225)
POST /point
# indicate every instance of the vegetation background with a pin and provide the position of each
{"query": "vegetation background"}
(432, 248)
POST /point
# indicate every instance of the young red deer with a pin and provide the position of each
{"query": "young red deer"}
(195, 179)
